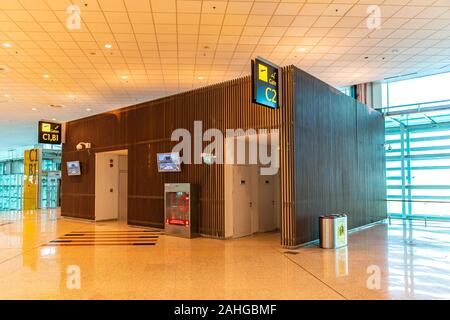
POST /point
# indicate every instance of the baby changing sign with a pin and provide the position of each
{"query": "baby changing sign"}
(265, 78)
(341, 232)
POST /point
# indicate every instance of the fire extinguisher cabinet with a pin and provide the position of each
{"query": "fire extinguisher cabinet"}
(181, 209)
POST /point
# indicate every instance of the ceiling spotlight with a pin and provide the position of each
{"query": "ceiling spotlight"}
(71, 96)
(54, 119)
(301, 50)
(356, 75)
(108, 46)
(200, 78)
(6, 95)
(46, 76)
(88, 109)
(124, 77)
(34, 109)
(7, 45)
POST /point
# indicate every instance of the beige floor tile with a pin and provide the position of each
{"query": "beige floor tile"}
(254, 267)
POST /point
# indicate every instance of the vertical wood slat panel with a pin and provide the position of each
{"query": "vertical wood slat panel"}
(148, 128)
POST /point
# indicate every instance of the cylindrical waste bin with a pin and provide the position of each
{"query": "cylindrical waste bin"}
(333, 231)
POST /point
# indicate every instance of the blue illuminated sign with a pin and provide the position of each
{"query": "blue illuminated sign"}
(265, 78)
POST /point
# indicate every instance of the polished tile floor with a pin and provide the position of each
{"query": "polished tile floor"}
(398, 261)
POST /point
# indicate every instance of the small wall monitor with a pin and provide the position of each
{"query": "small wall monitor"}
(168, 162)
(73, 168)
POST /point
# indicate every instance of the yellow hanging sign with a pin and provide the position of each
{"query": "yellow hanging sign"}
(31, 179)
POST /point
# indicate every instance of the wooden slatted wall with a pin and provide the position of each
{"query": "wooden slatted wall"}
(339, 157)
(145, 129)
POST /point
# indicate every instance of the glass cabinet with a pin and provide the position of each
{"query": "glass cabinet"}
(11, 184)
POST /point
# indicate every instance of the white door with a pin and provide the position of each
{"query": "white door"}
(266, 203)
(123, 188)
(242, 201)
(106, 186)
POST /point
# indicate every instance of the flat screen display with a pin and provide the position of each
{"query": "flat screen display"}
(169, 162)
(73, 168)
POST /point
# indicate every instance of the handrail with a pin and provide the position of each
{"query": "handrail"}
(420, 201)
(418, 110)
(417, 104)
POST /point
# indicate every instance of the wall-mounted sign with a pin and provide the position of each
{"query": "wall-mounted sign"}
(265, 79)
(49, 132)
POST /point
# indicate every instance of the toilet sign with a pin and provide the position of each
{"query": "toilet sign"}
(49, 132)
(265, 79)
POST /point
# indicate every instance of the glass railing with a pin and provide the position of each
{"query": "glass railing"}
(417, 107)
(418, 161)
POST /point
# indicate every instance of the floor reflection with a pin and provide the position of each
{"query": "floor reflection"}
(412, 261)
(418, 260)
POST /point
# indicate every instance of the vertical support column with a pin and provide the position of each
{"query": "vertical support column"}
(408, 171)
(287, 164)
(402, 161)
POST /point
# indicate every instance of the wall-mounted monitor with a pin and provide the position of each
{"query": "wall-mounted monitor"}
(73, 168)
(169, 162)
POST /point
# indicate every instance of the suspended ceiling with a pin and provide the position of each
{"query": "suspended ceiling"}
(160, 47)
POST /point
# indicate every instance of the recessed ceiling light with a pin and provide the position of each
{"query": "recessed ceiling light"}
(46, 76)
(124, 77)
(301, 50)
(71, 96)
(88, 109)
(356, 75)
(34, 109)
(108, 46)
(6, 95)
(54, 119)
(7, 45)
(200, 78)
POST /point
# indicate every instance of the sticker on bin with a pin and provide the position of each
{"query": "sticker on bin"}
(341, 232)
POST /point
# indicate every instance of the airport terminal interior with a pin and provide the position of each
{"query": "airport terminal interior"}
(225, 149)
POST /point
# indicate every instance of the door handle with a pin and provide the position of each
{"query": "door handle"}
(111, 190)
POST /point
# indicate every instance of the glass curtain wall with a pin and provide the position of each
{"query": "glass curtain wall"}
(12, 178)
(418, 147)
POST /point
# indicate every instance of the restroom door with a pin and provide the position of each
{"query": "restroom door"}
(123, 188)
(242, 201)
(266, 203)
(106, 186)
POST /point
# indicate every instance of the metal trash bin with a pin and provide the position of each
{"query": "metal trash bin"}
(333, 231)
